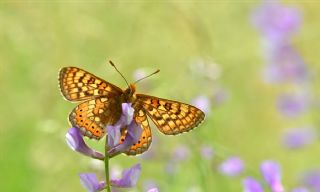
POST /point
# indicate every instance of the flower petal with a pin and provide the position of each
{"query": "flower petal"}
(251, 185)
(298, 137)
(76, 143)
(311, 179)
(153, 190)
(127, 113)
(134, 132)
(129, 177)
(203, 103)
(272, 175)
(90, 182)
(232, 166)
(114, 131)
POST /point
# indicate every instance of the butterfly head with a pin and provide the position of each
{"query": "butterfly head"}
(129, 93)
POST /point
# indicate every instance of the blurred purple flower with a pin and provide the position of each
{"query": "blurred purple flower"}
(203, 103)
(180, 153)
(75, 142)
(312, 179)
(153, 190)
(300, 189)
(207, 152)
(232, 166)
(284, 64)
(292, 105)
(149, 185)
(298, 137)
(129, 177)
(251, 185)
(276, 22)
(272, 175)
(90, 182)
(170, 168)
(220, 96)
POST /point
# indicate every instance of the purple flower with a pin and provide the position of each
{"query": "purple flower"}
(114, 131)
(180, 153)
(284, 64)
(90, 182)
(220, 96)
(75, 142)
(129, 177)
(203, 103)
(251, 185)
(149, 185)
(134, 131)
(275, 21)
(153, 190)
(298, 137)
(312, 179)
(292, 105)
(232, 166)
(207, 152)
(300, 189)
(272, 175)
(170, 168)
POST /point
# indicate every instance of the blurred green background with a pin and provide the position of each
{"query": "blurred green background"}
(38, 38)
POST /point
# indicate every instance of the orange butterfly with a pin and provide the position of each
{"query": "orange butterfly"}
(101, 106)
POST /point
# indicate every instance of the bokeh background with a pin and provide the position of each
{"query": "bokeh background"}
(261, 101)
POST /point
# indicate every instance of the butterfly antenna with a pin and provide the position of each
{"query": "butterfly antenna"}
(113, 65)
(157, 71)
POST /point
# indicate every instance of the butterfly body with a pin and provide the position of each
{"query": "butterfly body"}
(100, 105)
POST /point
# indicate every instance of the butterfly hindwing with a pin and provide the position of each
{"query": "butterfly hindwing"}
(145, 139)
(171, 117)
(92, 116)
(79, 85)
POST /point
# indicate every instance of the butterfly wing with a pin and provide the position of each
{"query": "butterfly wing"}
(92, 116)
(79, 85)
(144, 142)
(171, 117)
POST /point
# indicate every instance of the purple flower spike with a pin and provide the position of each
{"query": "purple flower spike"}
(275, 21)
(90, 182)
(272, 175)
(251, 185)
(312, 179)
(203, 103)
(298, 137)
(232, 167)
(292, 105)
(114, 131)
(129, 177)
(75, 142)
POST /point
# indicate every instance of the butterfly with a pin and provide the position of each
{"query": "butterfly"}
(100, 105)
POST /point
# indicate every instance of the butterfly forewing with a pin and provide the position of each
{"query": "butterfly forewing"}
(171, 117)
(79, 85)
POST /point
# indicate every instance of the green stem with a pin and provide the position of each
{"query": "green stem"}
(106, 165)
